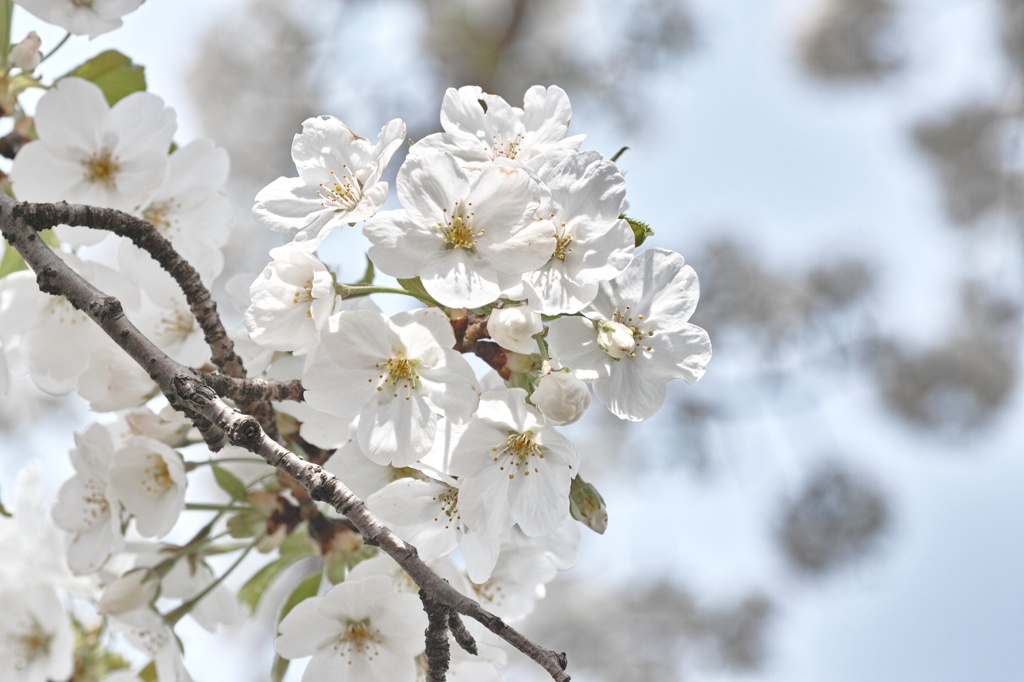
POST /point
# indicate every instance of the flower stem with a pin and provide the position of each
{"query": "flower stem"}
(6, 12)
(55, 48)
(349, 290)
(174, 616)
(203, 506)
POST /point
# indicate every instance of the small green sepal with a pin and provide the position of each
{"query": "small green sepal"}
(641, 230)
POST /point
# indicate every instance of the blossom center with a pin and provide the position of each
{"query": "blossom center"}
(82, 3)
(449, 502)
(521, 450)
(457, 231)
(489, 592)
(176, 324)
(305, 295)
(29, 645)
(156, 215)
(158, 476)
(102, 169)
(507, 150)
(562, 242)
(96, 505)
(358, 637)
(622, 335)
(398, 373)
(344, 192)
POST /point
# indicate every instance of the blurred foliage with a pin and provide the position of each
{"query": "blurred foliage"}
(960, 383)
(851, 40)
(775, 310)
(600, 51)
(656, 632)
(966, 147)
(1011, 24)
(837, 518)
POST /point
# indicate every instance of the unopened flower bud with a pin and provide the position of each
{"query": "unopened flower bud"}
(587, 506)
(513, 328)
(133, 590)
(25, 55)
(561, 397)
(615, 339)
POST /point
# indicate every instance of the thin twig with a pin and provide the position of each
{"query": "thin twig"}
(461, 634)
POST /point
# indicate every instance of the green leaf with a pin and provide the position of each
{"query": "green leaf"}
(279, 668)
(295, 547)
(415, 287)
(368, 273)
(309, 586)
(618, 154)
(254, 588)
(641, 230)
(229, 483)
(245, 524)
(3, 511)
(11, 261)
(148, 674)
(115, 73)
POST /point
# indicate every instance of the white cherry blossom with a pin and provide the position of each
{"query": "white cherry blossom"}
(585, 197)
(148, 478)
(161, 310)
(360, 474)
(91, 153)
(291, 300)
(113, 381)
(90, 18)
(479, 127)
(5, 373)
(636, 336)
(397, 375)
(426, 514)
(36, 640)
(190, 209)
(136, 589)
(359, 631)
(147, 632)
(467, 237)
(513, 467)
(52, 335)
(339, 179)
(186, 579)
(87, 508)
(31, 543)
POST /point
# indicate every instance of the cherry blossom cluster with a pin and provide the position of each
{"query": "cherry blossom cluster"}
(508, 243)
(517, 243)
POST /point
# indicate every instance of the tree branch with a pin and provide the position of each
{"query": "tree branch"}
(186, 391)
(252, 390)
